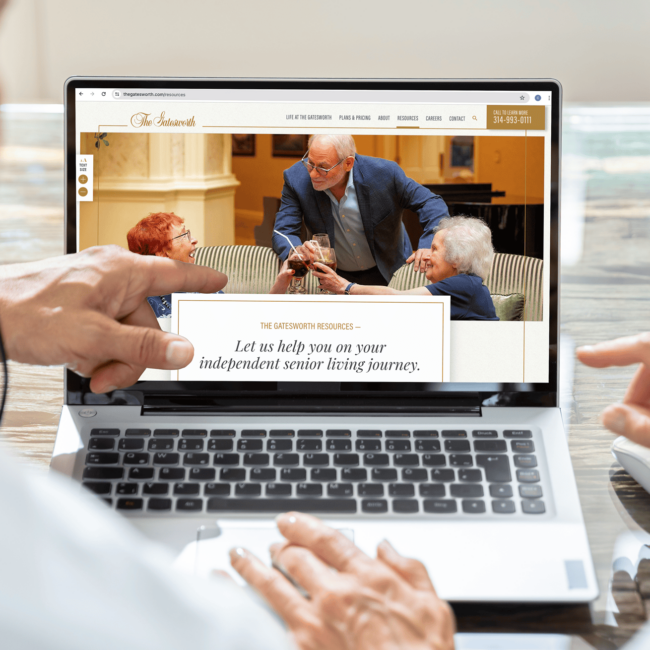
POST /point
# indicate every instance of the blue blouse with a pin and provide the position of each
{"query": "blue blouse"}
(470, 298)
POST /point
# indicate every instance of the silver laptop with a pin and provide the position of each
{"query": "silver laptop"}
(408, 416)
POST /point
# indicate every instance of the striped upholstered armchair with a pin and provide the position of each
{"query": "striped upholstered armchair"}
(253, 269)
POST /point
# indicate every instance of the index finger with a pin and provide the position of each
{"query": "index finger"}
(619, 352)
(322, 540)
(163, 275)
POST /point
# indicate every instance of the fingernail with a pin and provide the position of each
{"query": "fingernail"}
(237, 552)
(109, 389)
(273, 549)
(586, 348)
(388, 547)
(179, 353)
(285, 518)
(614, 418)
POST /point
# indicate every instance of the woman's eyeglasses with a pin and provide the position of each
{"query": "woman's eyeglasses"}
(187, 234)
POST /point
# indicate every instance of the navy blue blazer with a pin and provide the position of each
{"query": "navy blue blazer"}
(383, 191)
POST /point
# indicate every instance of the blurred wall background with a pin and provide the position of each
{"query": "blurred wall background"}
(598, 49)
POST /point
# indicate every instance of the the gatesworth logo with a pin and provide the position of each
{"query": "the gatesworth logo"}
(145, 119)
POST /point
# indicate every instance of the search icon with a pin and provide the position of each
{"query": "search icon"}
(474, 118)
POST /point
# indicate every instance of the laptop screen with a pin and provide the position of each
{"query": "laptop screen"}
(372, 236)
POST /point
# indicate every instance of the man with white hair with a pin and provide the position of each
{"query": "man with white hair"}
(461, 255)
(359, 202)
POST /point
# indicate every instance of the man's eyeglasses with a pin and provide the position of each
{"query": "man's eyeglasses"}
(187, 234)
(321, 171)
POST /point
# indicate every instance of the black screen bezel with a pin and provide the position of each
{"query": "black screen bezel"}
(329, 397)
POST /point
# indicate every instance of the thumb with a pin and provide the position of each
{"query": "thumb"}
(629, 420)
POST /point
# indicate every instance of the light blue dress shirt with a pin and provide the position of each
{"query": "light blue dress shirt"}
(351, 245)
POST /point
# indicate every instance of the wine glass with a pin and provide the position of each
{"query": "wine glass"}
(298, 263)
(321, 239)
(326, 256)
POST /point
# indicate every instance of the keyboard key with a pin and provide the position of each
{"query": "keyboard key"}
(431, 490)
(279, 445)
(190, 445)
(416, 475)
(186, 489)
(155, 488)
(525, 461)
(340, 490)
(282, 433)
(102, 458)
(338, 433)
(517, 433)
(189, 505)
(257, 459)
(135, 458)
(454, 433)
(401, 490)
(376, 459)
(425, 434)
(522, 446)
(137, 432)
(262, 474)
(160, 444)
(196, 459)
(194, 433)
(216, 489)
(220, 445)
(465, 490)
(309, 445)
(162, 458)
(497, 468)
(141, 473)
(485, 433)
(309, 490)
(315, 459)
(493, 446)
(506, 507)
(222, 433)
(473, 507)
(368, 445)
(253, 433)
(457, 445)
(250, 445)
(170, 474)
(166, 433)
(226, 459)
(398, 434)
(501, 491)
(370, 490)
(427, 445)
(347, 459)
(528, 476)
(98, 487)
(445, 475)
(248, 490)
(236, 474)
(277, 490)
(383, 474)
(317, 506)
(101, 444)
(404, 460)
(470, 475)
(323, 475)
(159, 504)
(282, 460)
(129, 504)
(398, 445)
(405, 506)
(374, 506)
(533, 507)
(202, 474)
(105, 432)
(126, 488)
(439, 506)
(310, 433)
(530, 491)
(354, 474)
(368, 433)
(293, 474)
(434, 460)
(339, 445)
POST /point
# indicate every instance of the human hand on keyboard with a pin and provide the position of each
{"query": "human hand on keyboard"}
(373, 604)
(631, 418)
(89, 311)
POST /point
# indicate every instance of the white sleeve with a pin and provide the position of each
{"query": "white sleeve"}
(74, 575)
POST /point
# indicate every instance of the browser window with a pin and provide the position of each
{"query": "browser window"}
(229, 179)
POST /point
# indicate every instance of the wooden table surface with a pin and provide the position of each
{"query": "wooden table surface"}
(605, 293)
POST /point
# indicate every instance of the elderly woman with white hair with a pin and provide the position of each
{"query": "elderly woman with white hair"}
(461, 254)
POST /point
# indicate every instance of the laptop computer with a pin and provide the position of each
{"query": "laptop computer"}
(398, 416)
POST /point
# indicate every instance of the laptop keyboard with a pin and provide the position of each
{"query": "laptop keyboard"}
(447, 472)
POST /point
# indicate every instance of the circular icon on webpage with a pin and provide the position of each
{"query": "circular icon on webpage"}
(83, 191)
(83, 179)
(538, 98)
